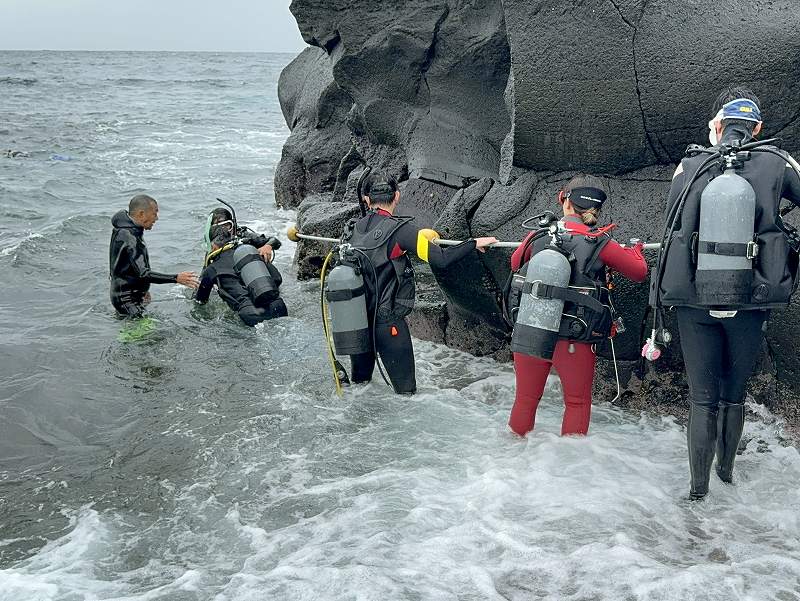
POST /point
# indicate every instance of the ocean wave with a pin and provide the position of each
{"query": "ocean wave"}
(19, 81)
(216, 83)
(10, 250)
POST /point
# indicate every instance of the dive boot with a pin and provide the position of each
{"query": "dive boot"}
(702, 438)
(730, 425)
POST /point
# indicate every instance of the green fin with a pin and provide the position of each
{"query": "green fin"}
(137, 329)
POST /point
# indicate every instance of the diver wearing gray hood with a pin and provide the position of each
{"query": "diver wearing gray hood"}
(129, 261)
(727, 258)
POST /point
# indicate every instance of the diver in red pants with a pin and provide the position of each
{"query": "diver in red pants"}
(591, 253)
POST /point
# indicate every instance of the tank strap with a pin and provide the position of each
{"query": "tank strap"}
(548, 291)
(239, 265)
(344, 295)
(728, 249)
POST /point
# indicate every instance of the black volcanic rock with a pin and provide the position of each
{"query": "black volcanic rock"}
(484, 109)
(315, 109)
(614, 85)
(424, 75)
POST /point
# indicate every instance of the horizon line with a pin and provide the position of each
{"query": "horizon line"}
(159, 50)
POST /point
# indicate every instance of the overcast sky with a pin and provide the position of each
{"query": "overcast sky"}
(234, 25)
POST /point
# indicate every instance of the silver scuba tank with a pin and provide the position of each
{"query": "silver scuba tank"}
(347, 305)
(539, 319)
(725, 242)
(255, 275)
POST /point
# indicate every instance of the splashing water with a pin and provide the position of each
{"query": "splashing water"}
(205, 460)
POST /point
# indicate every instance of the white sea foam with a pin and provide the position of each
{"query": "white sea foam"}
(430, 497)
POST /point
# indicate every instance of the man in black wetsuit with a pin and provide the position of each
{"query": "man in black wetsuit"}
(720, 343)
(219, 269)
(129, 262)
(385, 241)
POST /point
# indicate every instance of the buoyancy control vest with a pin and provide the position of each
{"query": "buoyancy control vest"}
(222, 267)
(684, 278)
(389, 283)
(587, 312)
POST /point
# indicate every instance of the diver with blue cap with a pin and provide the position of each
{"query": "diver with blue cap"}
(727, 258)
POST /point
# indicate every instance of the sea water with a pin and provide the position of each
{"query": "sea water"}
(206, 460)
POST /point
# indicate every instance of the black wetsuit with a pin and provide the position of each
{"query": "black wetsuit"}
(394, 297)
(129, 263)
(233, 291)
(720, 353)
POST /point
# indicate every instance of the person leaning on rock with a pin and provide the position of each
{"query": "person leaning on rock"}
(384, 241)
(129, 261)
(722, 288)
(587, 316)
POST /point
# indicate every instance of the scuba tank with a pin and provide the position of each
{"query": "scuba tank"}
(255, 275)
(725, 242)
(347, 304)
(539, 319)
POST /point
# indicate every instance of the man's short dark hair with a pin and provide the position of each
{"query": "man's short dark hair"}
(380, 187)
(734, 92)
(141, 202)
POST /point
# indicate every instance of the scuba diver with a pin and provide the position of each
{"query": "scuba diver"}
(374, 253)
(226, 219)
(129, 261)
(558, 295)
(240, 266)
(727, 258)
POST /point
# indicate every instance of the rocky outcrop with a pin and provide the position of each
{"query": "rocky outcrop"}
(616, 85)
(485, 108)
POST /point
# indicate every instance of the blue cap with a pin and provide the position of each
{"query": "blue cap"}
(743, 109)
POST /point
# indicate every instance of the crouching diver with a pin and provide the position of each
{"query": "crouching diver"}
(375, 268)
(129, 260)
(727, 258)
(558, 295)
(239, 266)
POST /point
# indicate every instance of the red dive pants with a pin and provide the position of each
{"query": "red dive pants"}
(576, 370)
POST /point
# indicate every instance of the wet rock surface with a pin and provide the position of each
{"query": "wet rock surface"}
(485, 109)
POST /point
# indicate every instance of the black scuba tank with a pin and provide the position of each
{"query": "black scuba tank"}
(255, 275)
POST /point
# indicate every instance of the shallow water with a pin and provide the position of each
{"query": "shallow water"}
(210, 461)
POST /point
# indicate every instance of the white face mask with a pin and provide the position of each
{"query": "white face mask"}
(712, 128)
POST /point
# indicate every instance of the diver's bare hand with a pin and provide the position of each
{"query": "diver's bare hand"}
(147, 298)
(266, 252)
(483, 243)
(188, 278)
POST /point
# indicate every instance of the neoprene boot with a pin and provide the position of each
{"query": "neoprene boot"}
(702, 439)
(730, 425)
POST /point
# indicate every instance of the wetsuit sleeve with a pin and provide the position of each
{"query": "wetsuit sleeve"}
(791, 186)
(206, 285)
(407, 238)
(521, 254)
(258, 240)
(140, 267)
(144, 272)
(627, 261)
